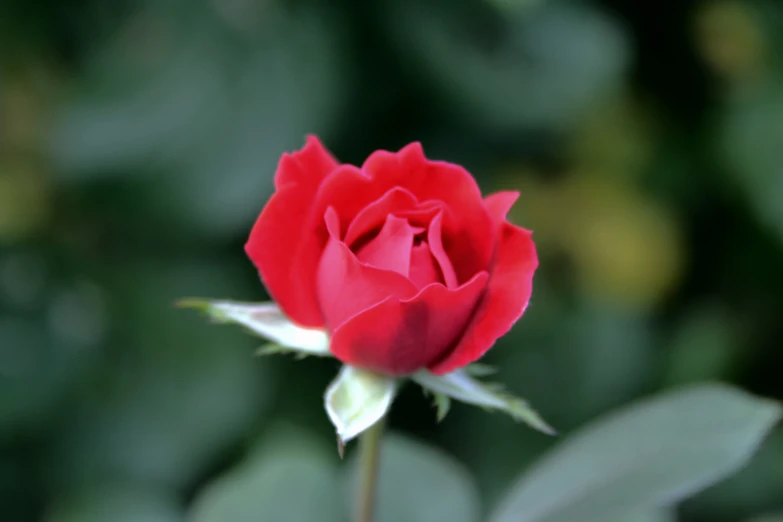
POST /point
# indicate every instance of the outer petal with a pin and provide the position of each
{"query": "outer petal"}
(347, 286)
(499, 204)
(398, 337)
(507, 296)
(307, 167)
(280, 232)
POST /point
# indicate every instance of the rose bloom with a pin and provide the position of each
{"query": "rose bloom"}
(401, 260)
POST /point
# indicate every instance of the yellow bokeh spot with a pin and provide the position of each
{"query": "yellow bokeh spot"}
(26, 99)
(625, 247)
(24, 200)
(614, 138)
(729, 38)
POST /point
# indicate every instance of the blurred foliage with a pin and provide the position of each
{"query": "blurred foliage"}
(138, 140)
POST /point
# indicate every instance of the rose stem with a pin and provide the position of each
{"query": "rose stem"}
(369, 460)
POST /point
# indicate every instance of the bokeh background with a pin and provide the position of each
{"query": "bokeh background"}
(138, 140)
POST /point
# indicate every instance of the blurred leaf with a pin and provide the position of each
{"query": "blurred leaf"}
(356, 399)
(203, 110)
(174, 394)
(266, 320)
(758, 487)
(599, 355)
(571, 362)
(419, 483)
(657, 515)
(704, 347)
(460, 386)
(651, 454)
(768, 518)
(752, 125)
(480, 370)
(117, 504)
(282, 436)
(288, 483)
(533, 68)
(515, 6)
(37, 373)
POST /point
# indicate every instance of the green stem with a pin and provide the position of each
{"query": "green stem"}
(369, 459)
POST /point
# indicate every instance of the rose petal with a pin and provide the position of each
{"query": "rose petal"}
(466, 219)
(374, 214)
(276, 237)
(391, 248)
(506, 298)
(424, 269)
(423, 213)
(499, 204)
(436, 247)
(349, 190)
(398, 337)
(347, 286)
(306, 167)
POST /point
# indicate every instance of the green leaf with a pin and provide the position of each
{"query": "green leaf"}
(117, 503)
(561, 57)
(480, 370)
(443, 405)
(268, 321)
(772, 517)
(356, 400)
(186, 393)
(189, 117)
(649, 455)
(753, 489)
(441, 402)
(751, 123)
(460, 386)
(419, 483)
(279, 349)
(286, 482)
(650, 515)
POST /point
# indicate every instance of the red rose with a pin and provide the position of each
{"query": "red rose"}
(401, 260)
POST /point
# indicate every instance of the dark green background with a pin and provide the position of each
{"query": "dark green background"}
(138, 142)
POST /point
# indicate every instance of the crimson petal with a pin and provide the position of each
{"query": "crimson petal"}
(468, 218)
(276, 237)
(306, 167)
(371, 216)
(506, 298)
(399, 336)
(391, 248)
(499, 204)
(424, 268)
(436, 247)
(346, 286)
(349, 190)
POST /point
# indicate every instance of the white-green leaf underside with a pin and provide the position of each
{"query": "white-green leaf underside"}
(356, 400)
(350, 414)
(268, 321)
(459, 385)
